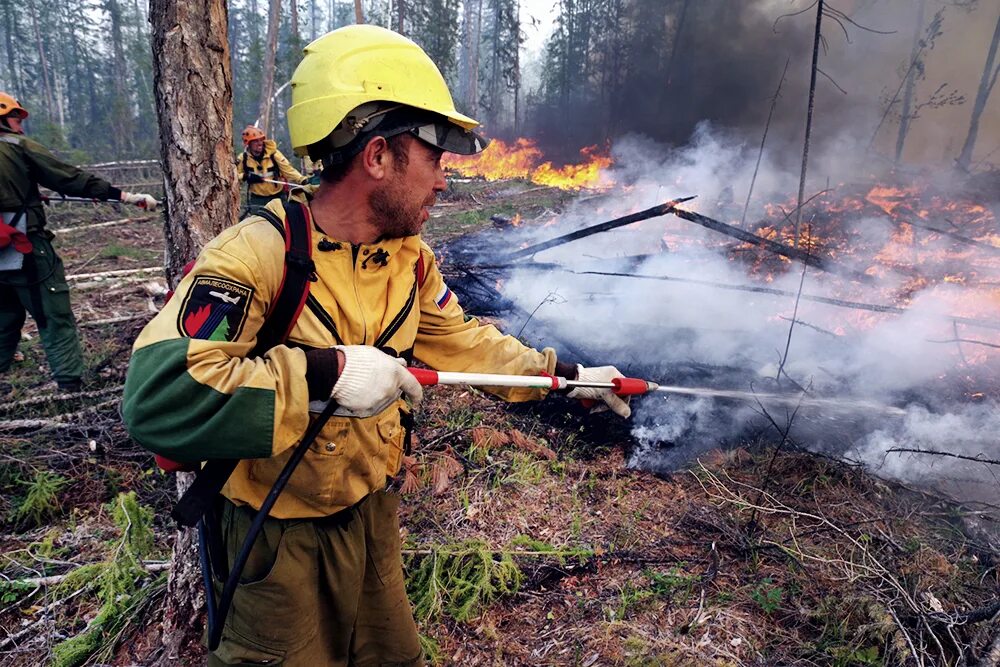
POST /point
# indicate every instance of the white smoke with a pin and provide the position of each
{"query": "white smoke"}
(673, 325)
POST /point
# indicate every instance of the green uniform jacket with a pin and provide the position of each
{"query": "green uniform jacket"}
(194, 392)
(25, 164)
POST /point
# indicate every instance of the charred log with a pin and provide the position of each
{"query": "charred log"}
(654, 212)
(772, 246)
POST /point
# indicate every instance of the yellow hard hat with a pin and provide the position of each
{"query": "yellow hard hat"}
(356, 65)
(9, 105)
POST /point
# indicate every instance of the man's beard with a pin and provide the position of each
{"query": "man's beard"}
(392, 216)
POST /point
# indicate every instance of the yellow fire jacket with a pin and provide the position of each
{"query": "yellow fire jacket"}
(272, 166)
(193, 393)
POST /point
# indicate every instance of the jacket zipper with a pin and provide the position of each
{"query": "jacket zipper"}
(398, 320)
(324, 317)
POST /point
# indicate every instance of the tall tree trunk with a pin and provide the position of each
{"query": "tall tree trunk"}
(401, 15)
(194, 108)
(911, 83)
(294, 21)
(474, 27)
(809, 118)
(267, 76)
(359, 13)
(517, 68)
(121, 107)
(10, 29)
(42, 63)
(986, 83)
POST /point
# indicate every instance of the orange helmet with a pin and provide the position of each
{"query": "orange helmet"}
(251, 132)
(9, 105)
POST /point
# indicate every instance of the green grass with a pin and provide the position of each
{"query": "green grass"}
(116, 250)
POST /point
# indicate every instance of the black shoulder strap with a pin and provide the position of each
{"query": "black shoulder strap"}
(275, 169)
(298, 269)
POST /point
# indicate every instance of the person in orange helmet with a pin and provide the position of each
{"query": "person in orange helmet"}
(267, 172)
(32, 279)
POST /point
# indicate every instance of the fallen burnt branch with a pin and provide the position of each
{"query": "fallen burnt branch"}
(773, 246)
(6, 407)
(110, 223)
(935, 452)
(654, 212)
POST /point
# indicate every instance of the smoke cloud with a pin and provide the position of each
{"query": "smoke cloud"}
(696, 328)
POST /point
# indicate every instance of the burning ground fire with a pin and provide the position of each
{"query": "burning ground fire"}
(523, 159)
(904, 309)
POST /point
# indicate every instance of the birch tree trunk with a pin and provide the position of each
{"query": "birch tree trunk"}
(267, 76)
(986, 83)
(194, 108)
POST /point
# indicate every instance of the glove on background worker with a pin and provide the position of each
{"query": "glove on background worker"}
(140, 199)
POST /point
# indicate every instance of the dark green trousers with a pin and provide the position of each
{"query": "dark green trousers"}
(48, 303)
(320, 592)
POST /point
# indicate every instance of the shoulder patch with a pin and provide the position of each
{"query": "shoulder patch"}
(214, 309)
(10, 139)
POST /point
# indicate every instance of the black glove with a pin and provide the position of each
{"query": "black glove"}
(254, 178)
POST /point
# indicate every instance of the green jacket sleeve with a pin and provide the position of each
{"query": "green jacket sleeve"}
(49, 171)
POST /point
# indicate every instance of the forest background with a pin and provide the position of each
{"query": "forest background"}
(658, 68)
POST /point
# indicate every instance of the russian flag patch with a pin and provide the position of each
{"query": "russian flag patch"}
(443, 297)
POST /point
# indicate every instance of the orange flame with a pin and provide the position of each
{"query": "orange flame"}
(523, 159)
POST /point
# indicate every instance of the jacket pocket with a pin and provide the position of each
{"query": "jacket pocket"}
(350, 459)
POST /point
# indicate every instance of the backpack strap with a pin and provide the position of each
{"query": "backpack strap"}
(278, 322)
(298, 272)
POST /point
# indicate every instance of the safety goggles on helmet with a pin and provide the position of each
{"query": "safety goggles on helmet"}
(381, 119)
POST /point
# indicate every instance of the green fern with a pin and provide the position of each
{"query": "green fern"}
(116, 584)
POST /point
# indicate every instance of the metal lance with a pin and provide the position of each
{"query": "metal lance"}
(636, 386)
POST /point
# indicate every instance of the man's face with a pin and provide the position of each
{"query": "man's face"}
(13, 121)
(401, 204)
(256, 146)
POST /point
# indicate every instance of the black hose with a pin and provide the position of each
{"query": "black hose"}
(217, 616)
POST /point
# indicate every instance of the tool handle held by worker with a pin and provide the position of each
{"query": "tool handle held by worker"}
(622, 386)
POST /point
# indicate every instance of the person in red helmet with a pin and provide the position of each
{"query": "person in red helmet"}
(32, 279)
(267, 172)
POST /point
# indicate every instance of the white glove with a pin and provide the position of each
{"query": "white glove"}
(614, 402)
(371, 378)
(140, 199)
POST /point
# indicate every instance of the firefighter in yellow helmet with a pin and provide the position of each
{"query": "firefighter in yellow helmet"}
(325, 581)
(267, 172)
(32, 279)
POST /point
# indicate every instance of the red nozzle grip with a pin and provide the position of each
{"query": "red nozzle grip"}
(424, 376)
(623, 387)
(630, 386)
